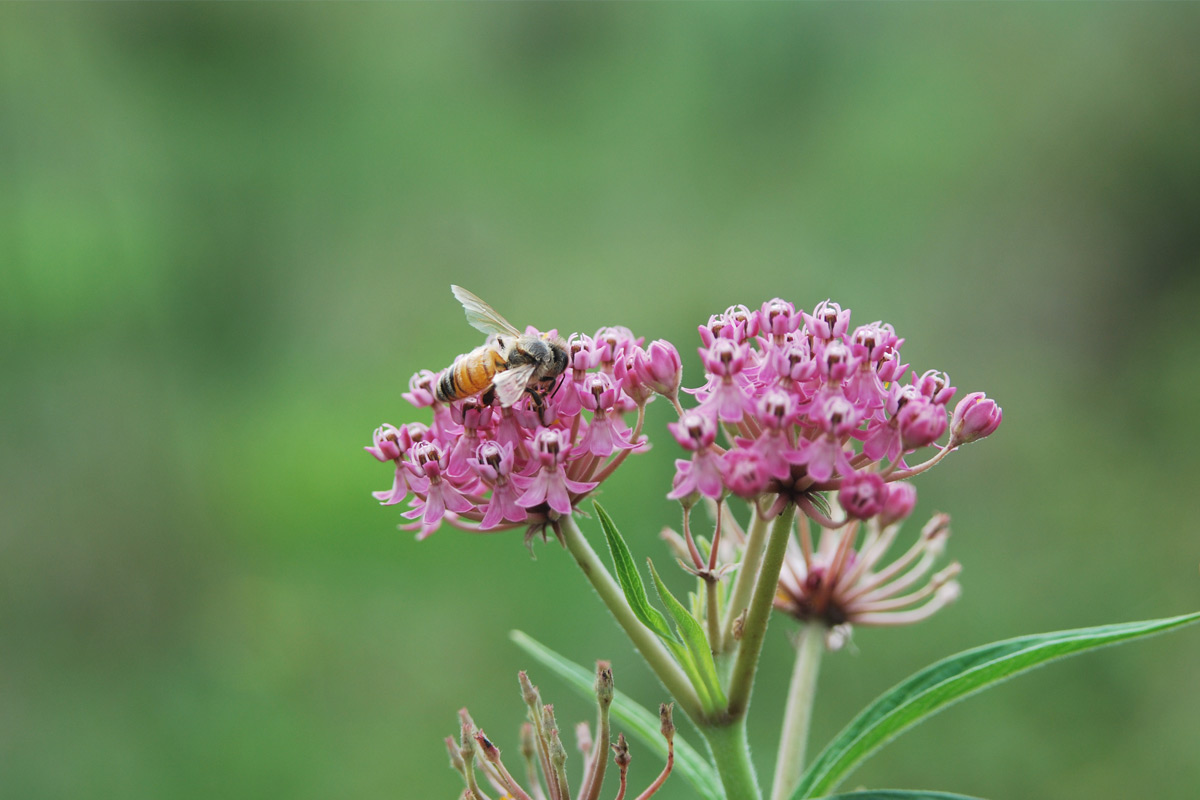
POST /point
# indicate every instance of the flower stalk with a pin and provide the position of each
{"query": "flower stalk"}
(793, 741)
(656, 655)
(754, 631)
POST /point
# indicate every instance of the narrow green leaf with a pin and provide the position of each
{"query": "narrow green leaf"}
(631, 582)
(898, 794)
(694, 637)
(640, 721)
(952, 679)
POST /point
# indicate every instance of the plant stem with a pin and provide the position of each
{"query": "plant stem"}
(801, 693)
(759, 614)
(743, 582)
(731, 755)
(657, 657)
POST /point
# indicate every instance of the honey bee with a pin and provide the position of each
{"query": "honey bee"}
(508, 364)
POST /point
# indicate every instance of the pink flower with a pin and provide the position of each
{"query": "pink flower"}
(837, 418)
(726, 400)
(550, 484)
(835, 362)
(778, 318)
(474, 419)
(745, 472)
(605, 432)
(696, 432)
(389, 443)
(422, 388)
(935, 385)
(863, 494)
(493, 463)
(611, 343)
(827, 321)
(426, 469)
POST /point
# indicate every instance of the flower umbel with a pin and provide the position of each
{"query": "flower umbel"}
(813, 405)
(484, 467)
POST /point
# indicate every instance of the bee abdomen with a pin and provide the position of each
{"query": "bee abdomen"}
(447, 389)
(469, 375)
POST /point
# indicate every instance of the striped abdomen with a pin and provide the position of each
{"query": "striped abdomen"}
(470, 373)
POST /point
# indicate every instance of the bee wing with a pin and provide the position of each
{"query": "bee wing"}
(483, 317)
(510, 384)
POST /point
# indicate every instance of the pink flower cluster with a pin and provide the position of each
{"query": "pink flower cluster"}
(487, 467)
(809, 404)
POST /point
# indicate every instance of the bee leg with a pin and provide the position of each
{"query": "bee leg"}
(539, 401)
(489, 396)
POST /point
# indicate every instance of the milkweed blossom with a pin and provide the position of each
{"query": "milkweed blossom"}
(809, 405)
(487, 467)
(826, 417)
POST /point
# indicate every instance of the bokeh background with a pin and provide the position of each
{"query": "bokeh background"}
(226, 238)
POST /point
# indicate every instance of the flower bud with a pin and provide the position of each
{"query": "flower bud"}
(921, 423)
(975, 417)
(660, 368)
(901, 500)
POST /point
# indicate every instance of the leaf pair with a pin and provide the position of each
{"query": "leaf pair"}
(688, 642)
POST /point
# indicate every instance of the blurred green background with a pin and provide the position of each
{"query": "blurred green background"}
(226, 238)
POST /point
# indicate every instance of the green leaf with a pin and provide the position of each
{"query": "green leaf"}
(694, 637)
(631, 582)
(640, 721)
(952, 679)
(898, 794)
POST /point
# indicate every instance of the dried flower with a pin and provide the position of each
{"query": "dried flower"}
(543, 752)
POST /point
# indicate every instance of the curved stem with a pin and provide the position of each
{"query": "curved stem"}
(801, 693)
(919, 468)
(759, 614)
(657, 657)
(731, 754)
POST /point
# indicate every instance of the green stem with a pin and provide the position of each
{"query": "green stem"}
(655, 654)
(731, 755)
(794, 738)
(743, 582)
(759, 614)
